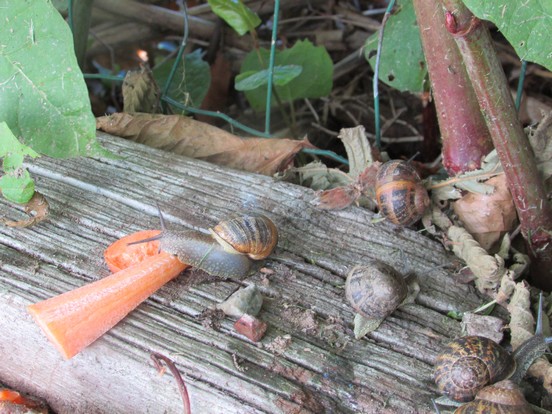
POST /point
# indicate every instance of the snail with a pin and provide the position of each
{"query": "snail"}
(227, 249)
(253, 235)
(470, 363)
(374, 291)
(504, 397)
(400, 194)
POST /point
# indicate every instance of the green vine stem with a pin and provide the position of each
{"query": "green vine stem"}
(512, 145)
(466, 139)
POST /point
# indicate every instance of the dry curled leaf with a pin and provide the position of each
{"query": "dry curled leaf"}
(140, 91)
(522, 328)
(185, 136)
(541, 141)
(341, 197)
(487, 217)
(36, 208)
(487, 269)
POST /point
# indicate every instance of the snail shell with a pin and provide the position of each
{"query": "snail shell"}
(400, 194)
(470, 363)
(504, 397)
(375, 290)
(253, 235)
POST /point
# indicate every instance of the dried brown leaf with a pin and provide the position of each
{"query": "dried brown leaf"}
(522, 325)
(140, 91)
(541, 141)
(37, 208)
(487, 269)
(486, 217)
(337, 198)
(359, 152)
(185, 136)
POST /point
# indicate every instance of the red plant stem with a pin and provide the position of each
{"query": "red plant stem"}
(157, 358)
(512, 145)
(466, 139)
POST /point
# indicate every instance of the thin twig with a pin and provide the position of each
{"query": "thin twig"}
(157, 358)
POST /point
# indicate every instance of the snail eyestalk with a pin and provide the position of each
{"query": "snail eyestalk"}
(160, 235)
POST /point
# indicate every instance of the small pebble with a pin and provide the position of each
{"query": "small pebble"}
(251, 327)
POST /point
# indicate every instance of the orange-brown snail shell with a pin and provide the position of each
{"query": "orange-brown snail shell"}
(400, 194)
(470, 363)
(254, 235)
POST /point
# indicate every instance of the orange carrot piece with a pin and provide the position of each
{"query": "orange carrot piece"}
(75, 319)
(12, 396)
(120, 255)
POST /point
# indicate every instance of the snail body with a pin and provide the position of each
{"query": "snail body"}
(253, 235)
(504, 397)
(201, 251)
(400, 194)
(227, 250)
(470, 363)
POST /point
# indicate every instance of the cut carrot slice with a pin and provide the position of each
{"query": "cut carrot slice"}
(75, 319)
(120, 255)
(12, 396)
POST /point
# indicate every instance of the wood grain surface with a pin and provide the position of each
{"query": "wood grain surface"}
(308, 362)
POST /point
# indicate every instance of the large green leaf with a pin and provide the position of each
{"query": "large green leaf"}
(314, 81)
(526, 24)
(16, 184)
(43, 97)
(191, 81)
(240, 17)
(402, 63)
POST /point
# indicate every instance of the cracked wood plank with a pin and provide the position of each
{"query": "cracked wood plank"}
(308, 362)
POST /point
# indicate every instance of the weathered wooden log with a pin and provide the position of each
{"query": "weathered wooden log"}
(308, 361)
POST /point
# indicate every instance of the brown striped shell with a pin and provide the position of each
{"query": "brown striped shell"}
(504, 397)
(400, 194)
(470, 363)
(375, 290)
(254, 235)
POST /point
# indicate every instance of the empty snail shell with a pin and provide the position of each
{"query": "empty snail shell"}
(470, 363)
(400, 194)
(375, 290)
(253, 235)
(504, 397)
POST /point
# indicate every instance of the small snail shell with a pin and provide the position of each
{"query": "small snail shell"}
(375, 290)
(470, 363)
(400, 194)
(504, 397)
(254, 235)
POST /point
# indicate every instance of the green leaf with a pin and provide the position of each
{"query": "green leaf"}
(191, 81)
(282, 75)
(314, 81)
(402, 63)
(11, 150)
(240, 17)
(44, 98)
(16, 184)
(526, 24)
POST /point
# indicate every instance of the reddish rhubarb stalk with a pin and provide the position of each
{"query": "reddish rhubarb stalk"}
(466, 139)
(512, 145)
